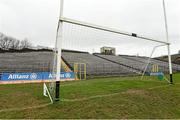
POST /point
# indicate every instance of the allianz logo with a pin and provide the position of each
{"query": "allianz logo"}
(67, 75)
(62, 75)
(32, 76)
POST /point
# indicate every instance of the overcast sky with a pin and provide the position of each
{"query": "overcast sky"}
(37, 21)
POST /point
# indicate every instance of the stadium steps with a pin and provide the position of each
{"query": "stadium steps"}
(164, 66)
(136, 60)
(95, 65)
(136, 70)
(27, 62)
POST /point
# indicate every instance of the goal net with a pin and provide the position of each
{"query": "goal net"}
(91, 50)
(105, 53)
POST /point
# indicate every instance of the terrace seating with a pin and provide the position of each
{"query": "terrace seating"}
(26, 62)
(133, 64)
(139, 62)
(164, 66)
(96, 65)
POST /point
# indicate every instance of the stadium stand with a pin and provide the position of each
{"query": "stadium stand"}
(96, 64)
(128, 62)
(43, 62)
(138, 63)
(26, 62)
(164, 66)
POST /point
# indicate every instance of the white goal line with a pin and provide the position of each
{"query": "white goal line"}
(76, 22)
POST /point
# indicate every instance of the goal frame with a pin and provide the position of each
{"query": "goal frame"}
(59, 38)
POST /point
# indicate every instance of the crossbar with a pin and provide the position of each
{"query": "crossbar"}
(72, 21)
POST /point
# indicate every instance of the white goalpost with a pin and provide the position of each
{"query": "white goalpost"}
(168, 46)
(55, 84)
(59, 39)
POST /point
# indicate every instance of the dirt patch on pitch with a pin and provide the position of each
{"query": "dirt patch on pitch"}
(136, 92)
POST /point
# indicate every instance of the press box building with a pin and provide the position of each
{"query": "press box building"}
(108, 51)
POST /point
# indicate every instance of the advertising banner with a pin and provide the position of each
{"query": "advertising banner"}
(6, 78)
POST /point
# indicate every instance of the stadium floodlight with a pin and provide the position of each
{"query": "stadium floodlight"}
(59, 39)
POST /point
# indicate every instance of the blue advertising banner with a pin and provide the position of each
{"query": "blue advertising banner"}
(35, 76)
(157, 74)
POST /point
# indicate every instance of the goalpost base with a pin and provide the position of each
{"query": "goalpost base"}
(46, 92)
(171, 79)
(57, 91)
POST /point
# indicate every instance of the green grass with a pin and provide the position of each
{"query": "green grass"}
(117, 97)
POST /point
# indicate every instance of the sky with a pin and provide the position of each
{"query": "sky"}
(37, 21)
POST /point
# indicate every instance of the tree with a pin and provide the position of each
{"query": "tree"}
(25, 44)
(7, 43)
(15, 44)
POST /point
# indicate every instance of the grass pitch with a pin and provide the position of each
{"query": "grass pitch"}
(117, 97)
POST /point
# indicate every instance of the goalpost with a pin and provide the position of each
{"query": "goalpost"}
(51, 77)
(59, 40)
(168, 46)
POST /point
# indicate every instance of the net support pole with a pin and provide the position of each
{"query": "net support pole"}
(168, 46)
(149, 60)
(47, 93)
(59, 48)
